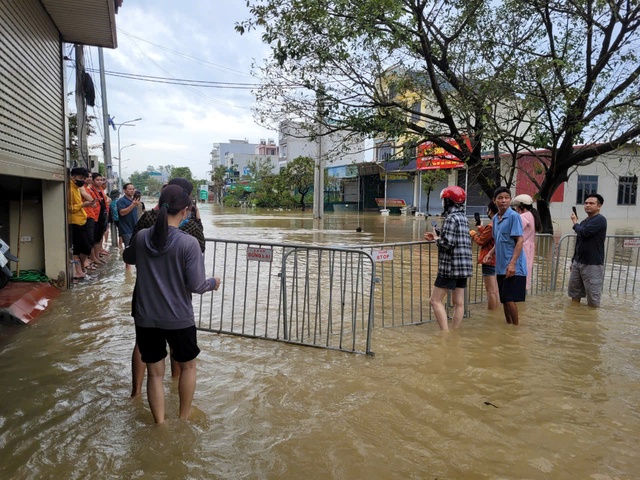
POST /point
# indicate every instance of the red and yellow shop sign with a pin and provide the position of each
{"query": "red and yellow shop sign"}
(433, 157)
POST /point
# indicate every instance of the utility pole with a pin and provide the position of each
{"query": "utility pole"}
(106, 146)
(318, 177)
(81, 113)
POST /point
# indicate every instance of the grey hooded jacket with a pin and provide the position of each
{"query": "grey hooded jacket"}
(166, 279)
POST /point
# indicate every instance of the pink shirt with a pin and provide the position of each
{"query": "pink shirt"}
(529, 242)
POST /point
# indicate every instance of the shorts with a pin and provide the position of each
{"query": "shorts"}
(152, 343)
(450, 283)
(586, 281)
(98, 232)
(79, 239)
(89, 227)
(512, 289)
(488, 270)
(126, 238)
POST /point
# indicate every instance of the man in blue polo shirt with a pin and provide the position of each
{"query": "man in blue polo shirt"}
(127, 213)
(511, 263)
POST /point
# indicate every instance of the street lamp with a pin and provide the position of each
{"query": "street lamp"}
(128, 123)
(120, 163)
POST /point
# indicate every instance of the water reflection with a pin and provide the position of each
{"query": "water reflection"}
(565, 384)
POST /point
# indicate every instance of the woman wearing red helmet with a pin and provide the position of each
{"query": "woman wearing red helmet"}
(454, 257)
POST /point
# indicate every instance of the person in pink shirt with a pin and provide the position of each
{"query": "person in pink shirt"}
(531, 224)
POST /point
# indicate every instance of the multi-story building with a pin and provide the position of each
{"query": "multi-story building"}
(267, 148)
(222, 150)
(341, 155)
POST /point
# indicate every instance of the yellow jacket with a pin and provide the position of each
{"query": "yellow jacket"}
(77, 215)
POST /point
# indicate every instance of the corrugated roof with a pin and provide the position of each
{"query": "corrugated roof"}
(86, 22)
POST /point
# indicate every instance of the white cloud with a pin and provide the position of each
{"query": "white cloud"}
(180, 124)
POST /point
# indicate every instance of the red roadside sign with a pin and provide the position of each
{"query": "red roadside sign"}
(433, 157)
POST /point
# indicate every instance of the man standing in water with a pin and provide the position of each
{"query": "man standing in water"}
(587, 264)
(127, 206)
(511, 263)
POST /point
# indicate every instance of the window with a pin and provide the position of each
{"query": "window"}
(415, 112)
(586, 184)
(627, 190)
(385, 152)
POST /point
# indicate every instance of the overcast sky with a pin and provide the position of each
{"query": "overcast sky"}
(192, 40)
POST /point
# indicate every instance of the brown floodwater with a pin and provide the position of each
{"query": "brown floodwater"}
(557, 397)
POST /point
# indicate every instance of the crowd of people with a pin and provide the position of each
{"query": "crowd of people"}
(507, 253)
(166, 244)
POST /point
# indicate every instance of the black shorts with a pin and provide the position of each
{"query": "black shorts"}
(89, 227)
(450, 283)
(98, 231)
(152, 343)
(512, 289)
(80, 240)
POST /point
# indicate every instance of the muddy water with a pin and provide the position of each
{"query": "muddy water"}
(563, 390)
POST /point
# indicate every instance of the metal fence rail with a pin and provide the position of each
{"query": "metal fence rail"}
(307, 295)
(405, 274)
(331, 297)
(621, 254)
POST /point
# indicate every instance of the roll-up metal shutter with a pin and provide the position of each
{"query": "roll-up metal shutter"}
(32, 140)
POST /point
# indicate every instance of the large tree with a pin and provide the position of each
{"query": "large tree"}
(298, 175)
(520, 76)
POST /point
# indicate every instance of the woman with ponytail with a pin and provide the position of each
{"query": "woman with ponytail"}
(170, 267)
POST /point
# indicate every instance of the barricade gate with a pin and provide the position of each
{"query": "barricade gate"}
(300, 294)
(332, 297)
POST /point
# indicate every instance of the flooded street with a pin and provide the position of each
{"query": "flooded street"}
(557, 397)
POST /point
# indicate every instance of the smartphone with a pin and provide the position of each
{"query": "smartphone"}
(136, 197)
(575, 212)
(477, 218)
(436, 229)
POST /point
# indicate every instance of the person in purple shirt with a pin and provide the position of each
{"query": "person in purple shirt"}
(170, 267)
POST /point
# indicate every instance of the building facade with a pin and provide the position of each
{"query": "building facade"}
(34, 158)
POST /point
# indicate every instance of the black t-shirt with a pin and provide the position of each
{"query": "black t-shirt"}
(592, 232)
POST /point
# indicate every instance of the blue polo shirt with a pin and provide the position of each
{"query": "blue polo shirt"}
(505, 233)
(126, 222)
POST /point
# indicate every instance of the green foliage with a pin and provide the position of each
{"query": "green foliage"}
(298, 174)
(518, 74)
(74, 152)
(430, 179)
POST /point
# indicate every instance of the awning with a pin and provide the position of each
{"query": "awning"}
(85, 22)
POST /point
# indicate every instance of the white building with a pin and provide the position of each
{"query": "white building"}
(614, 176)
(220, 150)
(337, 149)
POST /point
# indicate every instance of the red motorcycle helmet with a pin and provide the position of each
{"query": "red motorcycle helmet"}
(455, 194)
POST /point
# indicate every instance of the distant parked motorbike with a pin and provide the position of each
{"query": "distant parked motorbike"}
(5, 257)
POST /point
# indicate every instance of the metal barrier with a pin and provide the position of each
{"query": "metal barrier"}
(541, 277)
(621, 254)
(300, 294)
(331, 297)
(406, 272)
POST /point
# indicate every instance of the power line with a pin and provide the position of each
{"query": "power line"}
(181, 81)
(184, 55)
(188, 87)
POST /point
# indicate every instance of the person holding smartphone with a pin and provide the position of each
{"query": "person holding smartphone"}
(170, 268)
(127, 214)
(192, 225)
(587, 264)
(483, 237)
(455, 263)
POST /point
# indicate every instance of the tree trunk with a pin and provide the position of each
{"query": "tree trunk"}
(545, 216)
